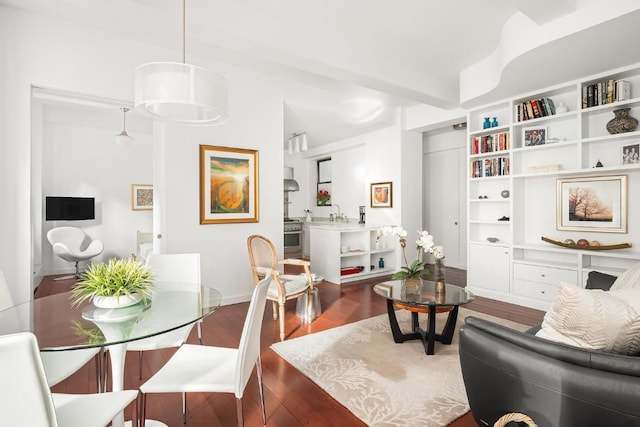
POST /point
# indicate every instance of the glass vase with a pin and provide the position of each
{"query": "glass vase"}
(438, 273)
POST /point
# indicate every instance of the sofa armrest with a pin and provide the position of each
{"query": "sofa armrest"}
(615, 363)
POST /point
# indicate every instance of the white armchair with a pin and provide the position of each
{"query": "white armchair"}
(68, 244)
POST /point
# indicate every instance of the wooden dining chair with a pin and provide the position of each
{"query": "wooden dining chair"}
(26, 399)
(264, 259)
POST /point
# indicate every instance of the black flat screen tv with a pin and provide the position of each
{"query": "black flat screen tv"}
(69, 208)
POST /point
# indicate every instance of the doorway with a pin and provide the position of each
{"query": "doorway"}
(444, 207)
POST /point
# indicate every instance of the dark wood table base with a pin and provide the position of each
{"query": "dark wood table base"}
(429, 336)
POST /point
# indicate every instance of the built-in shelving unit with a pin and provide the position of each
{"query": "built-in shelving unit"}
(350, 247)
(518, 267)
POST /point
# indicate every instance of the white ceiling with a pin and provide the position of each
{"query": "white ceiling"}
(349, 60)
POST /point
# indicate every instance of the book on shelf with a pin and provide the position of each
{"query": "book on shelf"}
(490, 143)
(495, 166)
(622, 90)
(534, 108)
(605, 92)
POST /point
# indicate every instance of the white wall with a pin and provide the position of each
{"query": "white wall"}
(59, 55)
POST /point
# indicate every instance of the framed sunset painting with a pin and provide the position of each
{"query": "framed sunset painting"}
(228, 185)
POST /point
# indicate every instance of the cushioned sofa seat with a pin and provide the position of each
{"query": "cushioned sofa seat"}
(557, 385)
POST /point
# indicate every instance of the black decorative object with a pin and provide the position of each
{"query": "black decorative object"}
(622, 122)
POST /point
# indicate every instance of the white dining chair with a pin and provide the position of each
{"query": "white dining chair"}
(183, 269)
(58, 365)
(198, 368)
(26, 400)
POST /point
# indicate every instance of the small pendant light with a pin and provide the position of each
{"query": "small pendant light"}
(123, 137)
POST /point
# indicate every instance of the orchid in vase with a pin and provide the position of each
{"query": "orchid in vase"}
(424, 244)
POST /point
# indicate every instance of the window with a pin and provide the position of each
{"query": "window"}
(323, 196)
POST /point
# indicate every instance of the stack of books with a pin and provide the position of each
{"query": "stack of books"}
(535, 108)
(605, 92)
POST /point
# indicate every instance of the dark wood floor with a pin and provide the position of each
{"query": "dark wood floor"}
(291, 398)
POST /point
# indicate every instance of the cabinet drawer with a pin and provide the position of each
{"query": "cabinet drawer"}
(549, 275)
(541, 291)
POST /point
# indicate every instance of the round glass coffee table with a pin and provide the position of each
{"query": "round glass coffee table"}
(423, 296)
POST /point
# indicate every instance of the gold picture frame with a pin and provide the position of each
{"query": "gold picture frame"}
(381, 195)
(228, 185)
(141, 197)
(596, 203)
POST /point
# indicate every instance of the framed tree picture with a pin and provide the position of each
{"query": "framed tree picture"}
(141, 197)
(228, 185)
(381, 195)
(592, 204)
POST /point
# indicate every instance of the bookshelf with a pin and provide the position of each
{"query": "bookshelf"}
(507, 259)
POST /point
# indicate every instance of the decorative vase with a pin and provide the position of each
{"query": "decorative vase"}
(412, 285)
(486, 124)
(381, 263)
(494, 123)
(561, 108)
(622, 122)
(438, 274)
(116, 302)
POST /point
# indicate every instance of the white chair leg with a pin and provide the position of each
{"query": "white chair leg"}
(259, 374)
(199, 326)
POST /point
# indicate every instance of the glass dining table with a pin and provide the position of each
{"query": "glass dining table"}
(59, 325)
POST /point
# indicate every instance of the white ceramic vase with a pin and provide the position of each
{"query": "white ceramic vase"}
(116, 302)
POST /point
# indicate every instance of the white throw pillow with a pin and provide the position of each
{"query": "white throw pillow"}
(628, 279)
(594, 319)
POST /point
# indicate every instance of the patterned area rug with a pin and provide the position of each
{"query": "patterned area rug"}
(383, 383)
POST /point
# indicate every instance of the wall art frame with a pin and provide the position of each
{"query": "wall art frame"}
(381, 195)
(630, 154)
(532, 136)
(592, 203)
(141, 197)
(228, 185)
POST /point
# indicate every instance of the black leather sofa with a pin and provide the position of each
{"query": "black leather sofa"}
(556, 385)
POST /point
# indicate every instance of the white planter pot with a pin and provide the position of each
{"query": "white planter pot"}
(116, 302)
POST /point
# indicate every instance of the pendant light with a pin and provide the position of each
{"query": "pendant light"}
(181, 92)
(298, 142)
(123, 137)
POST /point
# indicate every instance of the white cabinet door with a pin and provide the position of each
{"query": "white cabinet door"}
(489, 267)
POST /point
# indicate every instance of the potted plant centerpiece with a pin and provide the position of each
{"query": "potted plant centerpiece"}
(411, 273)
(118, 283)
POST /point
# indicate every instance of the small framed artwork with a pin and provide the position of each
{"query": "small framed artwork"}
(141, 197)
(592, 204)
(629, 154)
(534, 136)
(228, 185)
(381, 195)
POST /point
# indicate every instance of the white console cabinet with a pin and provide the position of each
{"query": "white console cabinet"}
(512, 181)
(360, 253)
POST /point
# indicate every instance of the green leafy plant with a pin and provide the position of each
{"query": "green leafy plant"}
(116, 278)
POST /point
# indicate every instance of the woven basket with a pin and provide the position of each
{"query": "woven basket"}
(515, 417)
